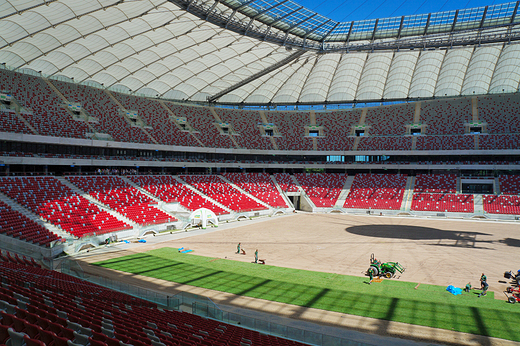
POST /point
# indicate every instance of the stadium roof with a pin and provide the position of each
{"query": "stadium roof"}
(262, 51)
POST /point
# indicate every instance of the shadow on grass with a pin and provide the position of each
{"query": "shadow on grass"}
(356, 299)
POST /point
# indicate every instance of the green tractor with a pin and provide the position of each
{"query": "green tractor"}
(388, 269)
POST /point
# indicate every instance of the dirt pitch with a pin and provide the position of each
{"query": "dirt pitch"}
(434, 251)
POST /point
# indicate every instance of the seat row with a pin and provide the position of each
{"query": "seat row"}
(42, 307)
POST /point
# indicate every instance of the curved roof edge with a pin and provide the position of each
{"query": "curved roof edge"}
(286, 23)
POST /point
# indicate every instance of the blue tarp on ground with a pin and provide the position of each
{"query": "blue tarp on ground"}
(454, 290)
(142, 241)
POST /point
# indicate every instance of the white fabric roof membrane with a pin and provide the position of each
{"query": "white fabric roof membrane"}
(152, 47)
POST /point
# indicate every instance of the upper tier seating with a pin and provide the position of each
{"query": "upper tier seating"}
(9, 122)
(376, 191)
(510, 184)
(246, 124)
(122, 197)
(162, 128)
(494, 142)
(59, 205)
(292, 129)
(385, 143)
(169, 189)
(222, 192)
(447, 202)
(446, 117)
(337, 127)
(286, 182)
(502, 204)
(392, 120)
(58, 309)
(98, 104)
(201, 119)
(500, 112)
(458, 142)
(322, 188)
(48, 118)
(17, 225)
(436, 183)
(259, 185)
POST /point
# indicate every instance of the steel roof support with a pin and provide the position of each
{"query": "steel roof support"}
(257, 75)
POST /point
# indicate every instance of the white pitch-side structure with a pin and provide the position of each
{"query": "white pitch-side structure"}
(202, 216)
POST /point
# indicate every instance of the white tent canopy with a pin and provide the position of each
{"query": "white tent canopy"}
(202, 216)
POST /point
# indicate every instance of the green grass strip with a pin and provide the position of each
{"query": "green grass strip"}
(392, 300)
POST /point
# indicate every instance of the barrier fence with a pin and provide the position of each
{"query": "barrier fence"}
(203, 306)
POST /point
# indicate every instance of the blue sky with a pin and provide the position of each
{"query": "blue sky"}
(347, 10)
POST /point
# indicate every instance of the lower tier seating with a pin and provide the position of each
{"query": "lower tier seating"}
(322, 188)
(376, 191)
(43, 307)
(17, 225)
(168, 189)
(502, 204)
(286, 182)
(259, 185)
(122, 197)
(58, 204)
(216, 188)
(446, 202)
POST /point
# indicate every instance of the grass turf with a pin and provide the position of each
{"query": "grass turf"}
(391, 300)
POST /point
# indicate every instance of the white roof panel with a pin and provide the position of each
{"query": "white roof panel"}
(157, 47)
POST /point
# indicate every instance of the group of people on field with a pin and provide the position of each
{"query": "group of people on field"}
(243, 252)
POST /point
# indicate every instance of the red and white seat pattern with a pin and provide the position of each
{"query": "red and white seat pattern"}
(503, 204)
(455, 142)
(216, 188)
(9, 122)
(446, 117)
(291, 126)
(387, 121)
(500, 112)
(503, 141)
(509, 184)
(123, 198)
(286, 182)
(259, 185)
(245, 123)
(154, 114)
(98, 104)
(337, 127)
(322, 188)
(445, 202)
(17, 225)
(169, 190)
(59, 205)
(376, 191)
(201, 119)
(49, 118)
(436, 183)
(385, 143)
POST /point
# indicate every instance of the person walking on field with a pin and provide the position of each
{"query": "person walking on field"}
(483, 280)
(238, 248)
(485, 287)
(256, 256)
(371, 274)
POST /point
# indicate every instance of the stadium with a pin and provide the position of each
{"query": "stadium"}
(142, 140)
